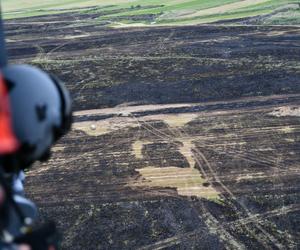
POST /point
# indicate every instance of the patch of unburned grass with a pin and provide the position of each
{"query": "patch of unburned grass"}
(286, 111)
(97, 128)
(187, 181)
(137, 147)
(179, 120)
(92, 128)
(187, 150)
(58, 149)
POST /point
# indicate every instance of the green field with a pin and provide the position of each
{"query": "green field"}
(160, 12)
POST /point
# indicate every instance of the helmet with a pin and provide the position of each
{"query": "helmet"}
(40, 112)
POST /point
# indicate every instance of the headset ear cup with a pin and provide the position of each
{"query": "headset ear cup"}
(41, 112)
(46, 156)
(4, 211)
(66, 108)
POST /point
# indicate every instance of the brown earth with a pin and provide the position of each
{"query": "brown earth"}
(202, 151)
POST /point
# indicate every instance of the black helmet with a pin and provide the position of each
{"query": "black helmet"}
(41, 112)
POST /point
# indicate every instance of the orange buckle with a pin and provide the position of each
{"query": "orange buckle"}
(8, 141)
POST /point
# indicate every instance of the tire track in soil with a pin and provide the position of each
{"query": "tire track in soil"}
(251, 157)
(226, 189)
(262, 241)
(172, 138)
(233, 197)
(230, 242)
(268, 214)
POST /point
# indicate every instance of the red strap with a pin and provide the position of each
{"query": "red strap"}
(8, 141)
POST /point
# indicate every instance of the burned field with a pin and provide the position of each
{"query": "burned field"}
(184, 137)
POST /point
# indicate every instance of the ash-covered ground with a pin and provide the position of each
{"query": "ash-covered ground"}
(184, 137)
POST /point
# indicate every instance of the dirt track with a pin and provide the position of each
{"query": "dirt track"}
(215, 10)
(227, 132)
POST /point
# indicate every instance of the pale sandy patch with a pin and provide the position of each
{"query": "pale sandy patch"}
(121, 109)
(258, 175)
(127, 25)
(290, 140)
(287, 129)
(100, 127)
(286, 111)
(137, 147)
(130, 109)
(68, 37)
(178, 120)
(96, 128)
(276, 33)
(187, 181)
(187, 151)
(57, 148)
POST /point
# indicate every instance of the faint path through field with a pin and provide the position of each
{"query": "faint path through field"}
(211, 11)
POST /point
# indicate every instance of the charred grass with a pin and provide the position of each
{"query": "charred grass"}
(236, 78)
